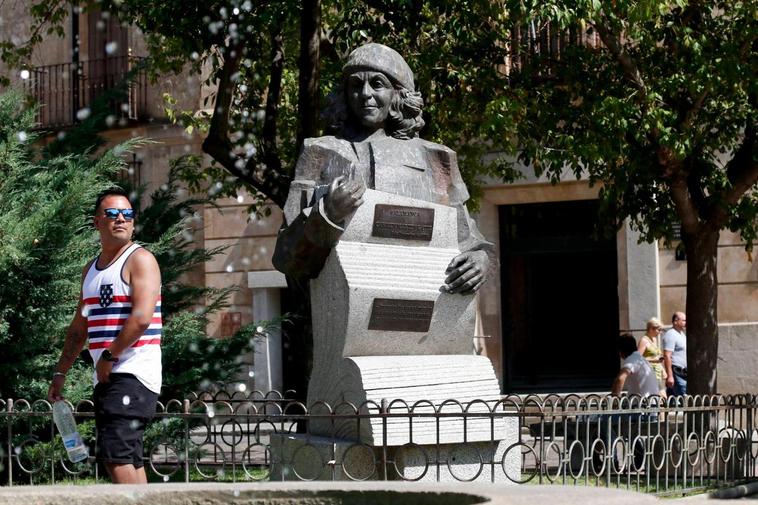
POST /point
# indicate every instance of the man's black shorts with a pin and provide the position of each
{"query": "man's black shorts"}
(123, 407)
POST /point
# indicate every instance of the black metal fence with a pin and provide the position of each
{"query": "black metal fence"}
(681, 445)
(66, 91)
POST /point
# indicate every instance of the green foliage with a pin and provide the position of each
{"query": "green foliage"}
(666, 96)
(456, 47)
(192, 360)
(44, 454)
(45, 241)
(47, 19)
(46, 199)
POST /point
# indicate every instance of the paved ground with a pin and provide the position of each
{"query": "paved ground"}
(319, 493)
(349, 493)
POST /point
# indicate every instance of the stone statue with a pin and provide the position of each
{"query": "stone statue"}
(375, 226)
(376, 117)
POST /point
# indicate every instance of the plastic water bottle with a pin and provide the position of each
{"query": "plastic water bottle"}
(72, 441)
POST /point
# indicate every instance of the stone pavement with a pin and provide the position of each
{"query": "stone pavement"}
(348, 493)
(319, 493)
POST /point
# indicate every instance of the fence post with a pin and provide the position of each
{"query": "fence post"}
(383, 412)
(9, 410)
(186, 406)
(749, 459)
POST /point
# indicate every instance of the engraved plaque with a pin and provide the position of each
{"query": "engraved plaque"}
(401, 315)
(398, 221)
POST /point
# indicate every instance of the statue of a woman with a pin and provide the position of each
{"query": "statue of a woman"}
(376, 118)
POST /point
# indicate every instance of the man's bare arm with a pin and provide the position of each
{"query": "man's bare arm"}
(76, 336)
(145, 282)
(618, 382)
(667, 365)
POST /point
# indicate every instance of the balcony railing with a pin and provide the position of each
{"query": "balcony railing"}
(540, 44)
(65, 92)
(131, 175)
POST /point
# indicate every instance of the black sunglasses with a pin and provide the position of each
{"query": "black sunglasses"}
(113, 213)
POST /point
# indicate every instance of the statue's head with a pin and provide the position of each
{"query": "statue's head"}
(377, 92)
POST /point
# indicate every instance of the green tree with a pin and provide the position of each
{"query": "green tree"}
(46, 238)
(274, 62)
(660, 111)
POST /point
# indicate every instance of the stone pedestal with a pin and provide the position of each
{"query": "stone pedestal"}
(389, 339)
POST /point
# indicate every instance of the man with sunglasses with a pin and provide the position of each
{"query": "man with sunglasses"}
(119, 315)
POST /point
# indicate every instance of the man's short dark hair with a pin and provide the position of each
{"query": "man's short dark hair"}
(675, 317)
(626, 345)
(114, 191)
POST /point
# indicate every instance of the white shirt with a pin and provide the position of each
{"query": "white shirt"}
(676, 342)
(641, 379)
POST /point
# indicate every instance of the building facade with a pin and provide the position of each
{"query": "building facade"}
(550, 313)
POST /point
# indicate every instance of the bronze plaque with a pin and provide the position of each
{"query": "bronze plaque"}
(397, 221)
(401, 315)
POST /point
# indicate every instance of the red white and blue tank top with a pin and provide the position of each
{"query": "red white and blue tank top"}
(107, 305)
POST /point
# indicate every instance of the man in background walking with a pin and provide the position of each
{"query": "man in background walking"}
(675, 355)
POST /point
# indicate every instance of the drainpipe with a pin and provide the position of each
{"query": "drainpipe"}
(75, 70)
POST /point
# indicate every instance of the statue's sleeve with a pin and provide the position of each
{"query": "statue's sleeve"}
(307, 235)
(469, 236)
(444, 162)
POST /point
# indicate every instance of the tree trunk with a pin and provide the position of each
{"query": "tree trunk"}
(308, 66)
(702, 310)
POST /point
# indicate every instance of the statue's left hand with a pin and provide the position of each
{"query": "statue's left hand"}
(467, 272)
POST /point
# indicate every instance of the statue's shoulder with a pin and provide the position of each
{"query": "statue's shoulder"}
(437, 153)
(432, 146)
(327, 143)
(444, 164)
(318, 152)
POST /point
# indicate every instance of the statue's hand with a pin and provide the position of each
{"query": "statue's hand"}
(467, 272)
(345, 195)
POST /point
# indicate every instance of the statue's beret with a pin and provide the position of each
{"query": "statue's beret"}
(382, 59)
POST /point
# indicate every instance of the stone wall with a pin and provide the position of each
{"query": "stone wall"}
(250, 243)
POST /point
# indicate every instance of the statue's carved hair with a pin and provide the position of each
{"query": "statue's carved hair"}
(404, 120)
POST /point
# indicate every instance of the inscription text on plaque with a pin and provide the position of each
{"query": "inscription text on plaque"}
(398, 221)
(401, 315)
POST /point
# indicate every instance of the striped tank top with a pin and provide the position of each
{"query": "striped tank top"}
(107, 305)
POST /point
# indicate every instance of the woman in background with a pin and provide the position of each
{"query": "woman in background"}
(649, 348)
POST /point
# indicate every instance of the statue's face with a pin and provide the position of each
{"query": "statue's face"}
(369, 95)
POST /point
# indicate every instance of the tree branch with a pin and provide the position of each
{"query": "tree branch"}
(612, 41)
(693, 111)
(742, 172)
(685, 207)
(217, 144)
(270, 149)
(742, 169)
(48, 15)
